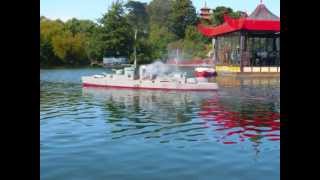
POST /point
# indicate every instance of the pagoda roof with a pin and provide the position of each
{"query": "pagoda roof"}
(263, 13)
(261, 19)
(205, 8)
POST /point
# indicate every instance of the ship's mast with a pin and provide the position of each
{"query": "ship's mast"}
(135, 49)
(177, 56)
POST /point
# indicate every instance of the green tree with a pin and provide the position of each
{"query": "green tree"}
(193, 34)
(138, 19)
(49, 29)
(80, 26)
(70, 48)
(182, 15)
(137, 15)
(47, 56)
(195, 43)
(158, 11)
(117, 34)
(159, 34)
(159, 38)
(95, 45)
(217, 16)
(144, 51)
(89, 32)
(238, 14)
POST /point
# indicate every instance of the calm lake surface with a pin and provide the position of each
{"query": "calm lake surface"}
(117, 134)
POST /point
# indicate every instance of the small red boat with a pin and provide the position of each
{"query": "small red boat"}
(205, 72)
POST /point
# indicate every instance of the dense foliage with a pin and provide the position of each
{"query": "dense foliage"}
(218, 13)
(162, 26)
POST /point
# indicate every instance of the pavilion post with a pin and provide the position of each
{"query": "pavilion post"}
(214, 50)
(215, 46)
(242, 58)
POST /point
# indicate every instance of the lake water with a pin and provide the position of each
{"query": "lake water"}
(117, 134)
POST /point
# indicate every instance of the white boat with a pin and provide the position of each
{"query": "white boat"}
(129, 78)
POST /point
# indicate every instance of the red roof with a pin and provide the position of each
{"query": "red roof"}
(260, 20)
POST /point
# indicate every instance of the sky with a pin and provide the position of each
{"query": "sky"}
(93, 9)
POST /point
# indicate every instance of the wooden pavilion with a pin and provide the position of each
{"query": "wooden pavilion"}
(246, 44)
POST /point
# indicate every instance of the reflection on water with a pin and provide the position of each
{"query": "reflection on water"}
(172, 109)
(107, 133)
(160, 112)
(254, 125)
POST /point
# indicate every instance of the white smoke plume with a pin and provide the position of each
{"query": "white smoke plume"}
(157, 68)
(179, 55)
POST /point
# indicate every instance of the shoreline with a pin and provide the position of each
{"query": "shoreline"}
(69, 67)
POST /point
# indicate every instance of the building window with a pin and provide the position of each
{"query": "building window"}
(264, 51)
(228, 49)
(259, 49)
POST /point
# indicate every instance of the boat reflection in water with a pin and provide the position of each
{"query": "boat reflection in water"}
(203, 113)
